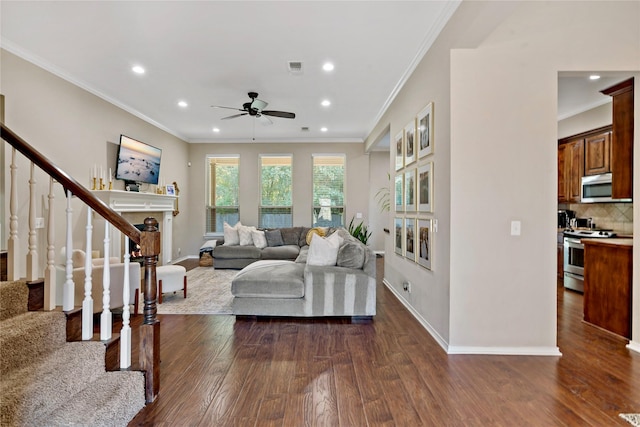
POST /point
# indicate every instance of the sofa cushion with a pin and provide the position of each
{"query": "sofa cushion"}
(245, 235)
(274, 237)
(302, 256)
(236, 251)
(303, 236)
(231, 236)
(259, 239)
(291, 235)
(324, 251)
(289, 252)
(269, 279)
(351, 255)
(320, 231)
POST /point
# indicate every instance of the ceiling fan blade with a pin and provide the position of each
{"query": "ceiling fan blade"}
(234, 116)
(228, 108)
(283, 114)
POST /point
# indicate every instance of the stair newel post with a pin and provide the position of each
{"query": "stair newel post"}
(87, 301)
(67, 293)
(13, 245)
(106, 318)
(50, 273)
(32, 254)
(125, 333)
(150, 329)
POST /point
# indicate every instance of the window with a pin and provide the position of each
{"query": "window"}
(222, 192)
(276, 200)
(328, 190)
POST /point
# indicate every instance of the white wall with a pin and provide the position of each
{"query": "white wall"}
(492, 74)
(76, 129)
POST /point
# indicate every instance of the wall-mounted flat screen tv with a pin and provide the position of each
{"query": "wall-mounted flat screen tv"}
(137, 161)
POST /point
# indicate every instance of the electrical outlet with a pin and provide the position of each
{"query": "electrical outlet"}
(179, 251)
(406, 286)
(39, 222)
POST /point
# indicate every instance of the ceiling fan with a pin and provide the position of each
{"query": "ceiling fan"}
(255, 108)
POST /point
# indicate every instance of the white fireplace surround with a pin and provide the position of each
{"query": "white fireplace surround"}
(130, 201)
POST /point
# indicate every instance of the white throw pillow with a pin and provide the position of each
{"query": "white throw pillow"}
(259, 239)
(231, 236)
(244, 232)
(324, 251)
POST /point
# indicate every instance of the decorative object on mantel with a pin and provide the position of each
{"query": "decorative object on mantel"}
(176, 193)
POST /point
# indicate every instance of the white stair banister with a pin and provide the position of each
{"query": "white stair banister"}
(67, 294)
(106, 318)
(50, 272)
(87, 302)
(32, 254)
(125, 333)
(13, 245)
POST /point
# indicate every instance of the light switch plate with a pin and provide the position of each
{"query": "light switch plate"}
(515, 228)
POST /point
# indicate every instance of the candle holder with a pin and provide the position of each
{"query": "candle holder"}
(101, 184)
(94, 183)
(110, 185)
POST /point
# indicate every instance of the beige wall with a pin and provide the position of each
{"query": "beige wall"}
(496, 137)
(76, 129)
(357, 186)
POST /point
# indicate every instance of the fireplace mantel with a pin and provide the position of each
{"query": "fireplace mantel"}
(131, 201)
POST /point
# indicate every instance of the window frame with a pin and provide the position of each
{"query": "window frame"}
(262, 207)
(210, 194)
(316, 207)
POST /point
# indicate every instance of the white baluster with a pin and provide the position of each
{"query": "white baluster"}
(106, 318)
(87, 302)
(13, 245)
(32, 254)
(67, 292)
(125, 333)
(50, 272)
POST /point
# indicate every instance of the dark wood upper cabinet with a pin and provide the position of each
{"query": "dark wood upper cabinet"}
(597, 154)
(622, 139)
(570, 170)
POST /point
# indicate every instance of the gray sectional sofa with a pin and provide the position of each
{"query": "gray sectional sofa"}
(292, 287)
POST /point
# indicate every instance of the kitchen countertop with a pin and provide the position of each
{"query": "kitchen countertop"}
(614, 241)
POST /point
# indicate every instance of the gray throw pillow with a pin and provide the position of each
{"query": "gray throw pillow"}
(274, 237)
(351, 255)
(290, 235)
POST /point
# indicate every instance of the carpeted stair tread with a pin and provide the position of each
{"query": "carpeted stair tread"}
(34, 391)
(28, 336)
(112, 400)
(14, 299)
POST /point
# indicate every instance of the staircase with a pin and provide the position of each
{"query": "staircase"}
(47, 381)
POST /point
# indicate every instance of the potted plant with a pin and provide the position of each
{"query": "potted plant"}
(360, 231)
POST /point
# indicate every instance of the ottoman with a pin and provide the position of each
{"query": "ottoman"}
(171, 278)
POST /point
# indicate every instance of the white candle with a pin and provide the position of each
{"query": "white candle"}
(95, 171)
(110, 176)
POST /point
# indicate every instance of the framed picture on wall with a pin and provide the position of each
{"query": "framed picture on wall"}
(399, 143)
(425, 188)
(425, 131)
(410, 191)
(398, 235)
(410, 142)
(410, 238)
(399, 192)
(424, 253)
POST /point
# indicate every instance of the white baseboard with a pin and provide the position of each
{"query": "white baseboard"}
(436, 336)
(184, 258)
(634, 346)
(517, 351)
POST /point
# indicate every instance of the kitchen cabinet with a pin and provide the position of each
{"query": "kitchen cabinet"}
(622, 139)
(560, 255)
(608, 268)
(597, 154)
(570, 170)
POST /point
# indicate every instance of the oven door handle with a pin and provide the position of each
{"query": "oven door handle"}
(574, 276)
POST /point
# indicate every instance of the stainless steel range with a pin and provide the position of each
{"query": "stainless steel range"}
(574, 255)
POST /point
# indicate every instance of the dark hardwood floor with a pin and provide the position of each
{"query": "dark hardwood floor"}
(219, 371)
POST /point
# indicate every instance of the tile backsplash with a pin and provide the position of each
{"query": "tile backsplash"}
(615, 216)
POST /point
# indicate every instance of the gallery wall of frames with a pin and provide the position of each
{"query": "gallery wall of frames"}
(414, 174)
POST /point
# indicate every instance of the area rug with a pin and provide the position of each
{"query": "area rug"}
(208, 292)
(633, 419)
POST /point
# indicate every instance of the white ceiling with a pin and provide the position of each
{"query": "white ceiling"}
(214, 52)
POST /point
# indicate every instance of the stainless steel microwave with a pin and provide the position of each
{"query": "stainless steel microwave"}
(597, 189)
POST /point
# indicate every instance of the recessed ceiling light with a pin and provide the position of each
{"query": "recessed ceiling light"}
(328, 66)
(182, 104)
(326, 103)
(323, 129)
(594, 77)
(138, 69)
(216, 130)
